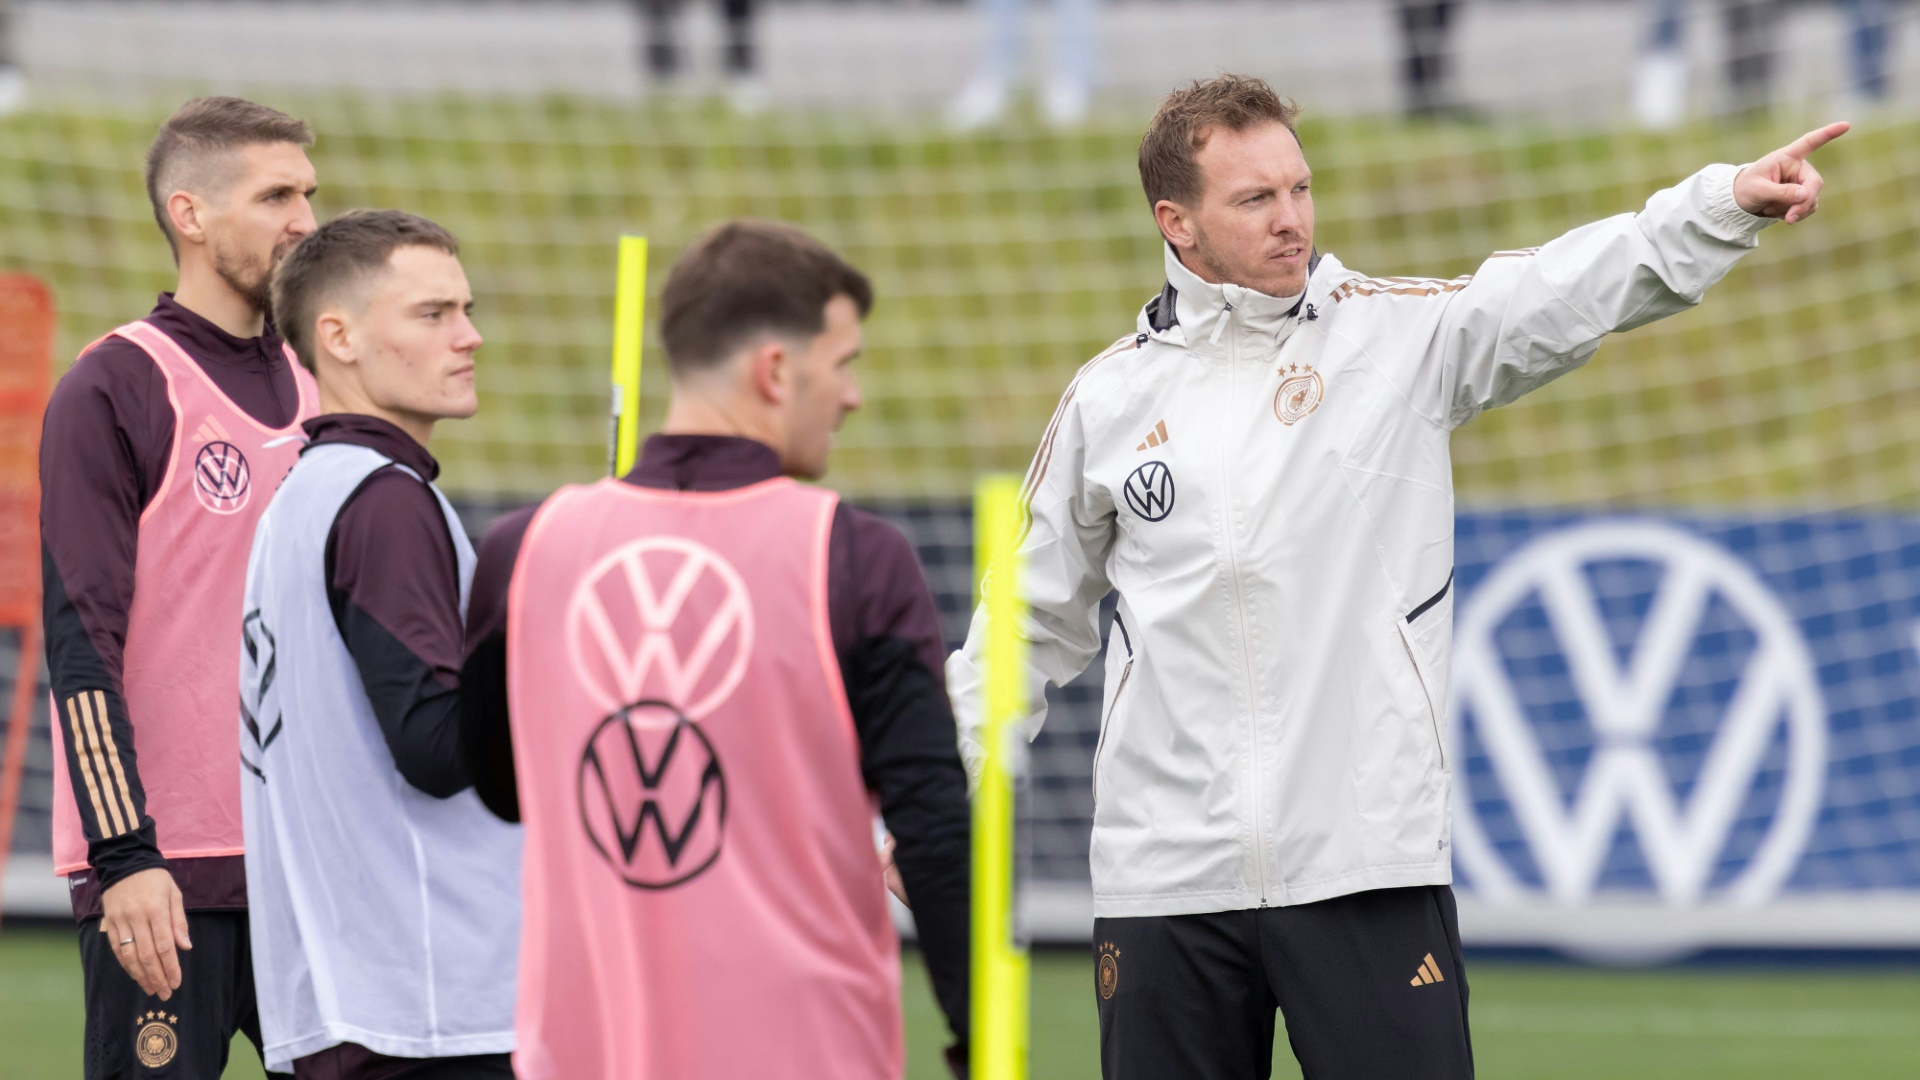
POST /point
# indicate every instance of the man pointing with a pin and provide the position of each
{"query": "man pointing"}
(1261, 471)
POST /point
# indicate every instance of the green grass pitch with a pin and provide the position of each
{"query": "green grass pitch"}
(1536, 1021)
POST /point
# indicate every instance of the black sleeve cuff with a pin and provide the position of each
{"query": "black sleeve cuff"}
(129, 853)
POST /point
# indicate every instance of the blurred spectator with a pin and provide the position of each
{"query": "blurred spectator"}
(1068, 87)
(1426, 50)
(1660, 81)
(663, 52)
(1752, 29)
(1870, 32)
(13, 84)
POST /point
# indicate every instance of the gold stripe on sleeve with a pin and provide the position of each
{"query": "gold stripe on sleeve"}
(113, 759)
(80, 754)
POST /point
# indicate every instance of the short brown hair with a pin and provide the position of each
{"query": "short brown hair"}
(1168, 166)
(200, 133)
(337, 254)
(748, 278)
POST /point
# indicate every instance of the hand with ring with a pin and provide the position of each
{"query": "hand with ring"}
(145, 916)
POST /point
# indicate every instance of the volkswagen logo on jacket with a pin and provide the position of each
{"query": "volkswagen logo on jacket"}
(1149, 491)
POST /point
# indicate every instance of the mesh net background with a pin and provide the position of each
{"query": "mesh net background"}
(1004, 258)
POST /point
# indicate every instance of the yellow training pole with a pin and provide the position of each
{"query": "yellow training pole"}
(629, 325)
(1000, 966)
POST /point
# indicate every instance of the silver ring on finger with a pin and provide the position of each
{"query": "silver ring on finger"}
(127, 942)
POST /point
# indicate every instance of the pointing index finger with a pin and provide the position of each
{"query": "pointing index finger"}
(1814, 140)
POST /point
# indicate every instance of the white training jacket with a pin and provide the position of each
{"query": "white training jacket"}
(1268, 487)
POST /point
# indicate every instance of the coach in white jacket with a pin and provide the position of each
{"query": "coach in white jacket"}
(1261, 471)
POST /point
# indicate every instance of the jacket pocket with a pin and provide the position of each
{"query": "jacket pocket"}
(1106, 722)
(1419, 629)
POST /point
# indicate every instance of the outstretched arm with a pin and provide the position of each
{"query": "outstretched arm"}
(1527, 317)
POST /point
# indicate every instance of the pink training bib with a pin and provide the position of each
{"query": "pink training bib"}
(182, 661)
(702, 894)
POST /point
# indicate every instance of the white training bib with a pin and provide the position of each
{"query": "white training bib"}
(381, 915)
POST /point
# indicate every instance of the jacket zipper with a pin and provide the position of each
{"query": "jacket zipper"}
(1240, 616)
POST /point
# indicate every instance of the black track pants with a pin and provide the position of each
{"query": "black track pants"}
(1371, 985)
(134, 1036)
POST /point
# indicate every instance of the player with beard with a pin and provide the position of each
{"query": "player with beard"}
(162, 446)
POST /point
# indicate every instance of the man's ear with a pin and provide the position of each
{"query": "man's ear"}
(333, 338)
(186, 211)
(770, 371)
(1174, 223)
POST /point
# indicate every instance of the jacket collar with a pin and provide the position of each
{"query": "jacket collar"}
(703, 463)
(1203, 313)
(359, 429)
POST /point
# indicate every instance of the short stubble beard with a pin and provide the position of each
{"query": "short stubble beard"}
(1203, 253)
(245, 276)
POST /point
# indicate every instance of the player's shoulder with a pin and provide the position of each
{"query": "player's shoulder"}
(870, 535)
(505, 535)
(1113, 371)
(112, 377)
(111, 356)
(501, 539)
(393, 491)
(1378, 311)
(1356, 292)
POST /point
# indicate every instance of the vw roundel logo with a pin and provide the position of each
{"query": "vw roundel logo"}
(1149, 491)
(221, 478)
(652, 796)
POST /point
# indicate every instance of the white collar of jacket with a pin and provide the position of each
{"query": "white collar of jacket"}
(1205, 314)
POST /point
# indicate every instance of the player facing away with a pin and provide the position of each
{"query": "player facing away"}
(691, 683)
(160, 450)
(1261, 471)
(385, 898)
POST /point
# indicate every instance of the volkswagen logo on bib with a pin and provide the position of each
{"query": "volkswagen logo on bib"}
(1149, 491)
(1638, 725)
(221, 478)
(653, 797)
(659, 632)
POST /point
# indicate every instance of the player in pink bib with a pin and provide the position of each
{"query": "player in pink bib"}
(692, 684)
(161, 448)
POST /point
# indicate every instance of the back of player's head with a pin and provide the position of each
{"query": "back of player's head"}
(1169, 152)
(195, 149)
(747, 280)
(344, 254)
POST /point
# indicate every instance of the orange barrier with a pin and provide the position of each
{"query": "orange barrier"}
(26, 372)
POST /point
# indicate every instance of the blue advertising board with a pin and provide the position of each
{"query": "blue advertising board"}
(1683, 731)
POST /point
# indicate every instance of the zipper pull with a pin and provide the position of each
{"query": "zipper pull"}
(1220, 326)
